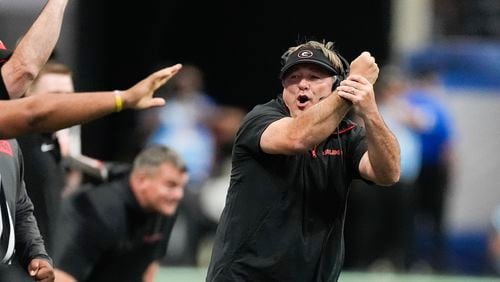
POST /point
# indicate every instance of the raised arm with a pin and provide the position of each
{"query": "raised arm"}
(34, 49)
(381, 163)
(51, 112)
(291, 135)
(300, 133)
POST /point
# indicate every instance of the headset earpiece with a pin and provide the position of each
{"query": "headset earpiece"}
(344, 73)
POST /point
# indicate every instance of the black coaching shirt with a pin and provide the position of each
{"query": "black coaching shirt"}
(284, 215)
(105, 235)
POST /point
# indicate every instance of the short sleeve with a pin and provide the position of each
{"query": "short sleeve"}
(254, 125)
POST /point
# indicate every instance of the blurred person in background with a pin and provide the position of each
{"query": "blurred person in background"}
(379, 222)
(184, 125)
(224, 125)
(23, 256)
(435, 127)
(42, 150)
(70, 143)
(119, 231)
(45, 187)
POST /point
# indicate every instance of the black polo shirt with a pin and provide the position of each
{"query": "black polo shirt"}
(284, 215)
(104, 235)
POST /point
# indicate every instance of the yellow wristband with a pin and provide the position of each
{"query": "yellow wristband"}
(118, 101)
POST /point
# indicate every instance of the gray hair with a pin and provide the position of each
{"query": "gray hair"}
(154, 156)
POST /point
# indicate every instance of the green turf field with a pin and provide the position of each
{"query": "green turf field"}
(182, 274)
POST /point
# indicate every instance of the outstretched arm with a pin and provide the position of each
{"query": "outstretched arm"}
(51, 112)
(34, 49)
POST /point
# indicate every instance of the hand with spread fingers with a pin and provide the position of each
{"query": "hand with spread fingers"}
(140, 96)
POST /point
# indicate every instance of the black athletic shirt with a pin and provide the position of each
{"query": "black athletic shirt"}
(104, 235)
(284, 215)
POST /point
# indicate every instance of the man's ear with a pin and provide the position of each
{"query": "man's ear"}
(137, 179)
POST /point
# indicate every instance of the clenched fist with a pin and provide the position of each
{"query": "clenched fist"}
(365, 66)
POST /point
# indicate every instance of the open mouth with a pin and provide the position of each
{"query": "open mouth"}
(303, 99)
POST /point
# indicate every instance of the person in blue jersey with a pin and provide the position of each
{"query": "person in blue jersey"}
(435, 128)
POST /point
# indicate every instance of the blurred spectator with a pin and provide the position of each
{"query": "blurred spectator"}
(380, 221)
(42, 150)
(183, 124)
(119, 230)
(225, 123)
(435, 128)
